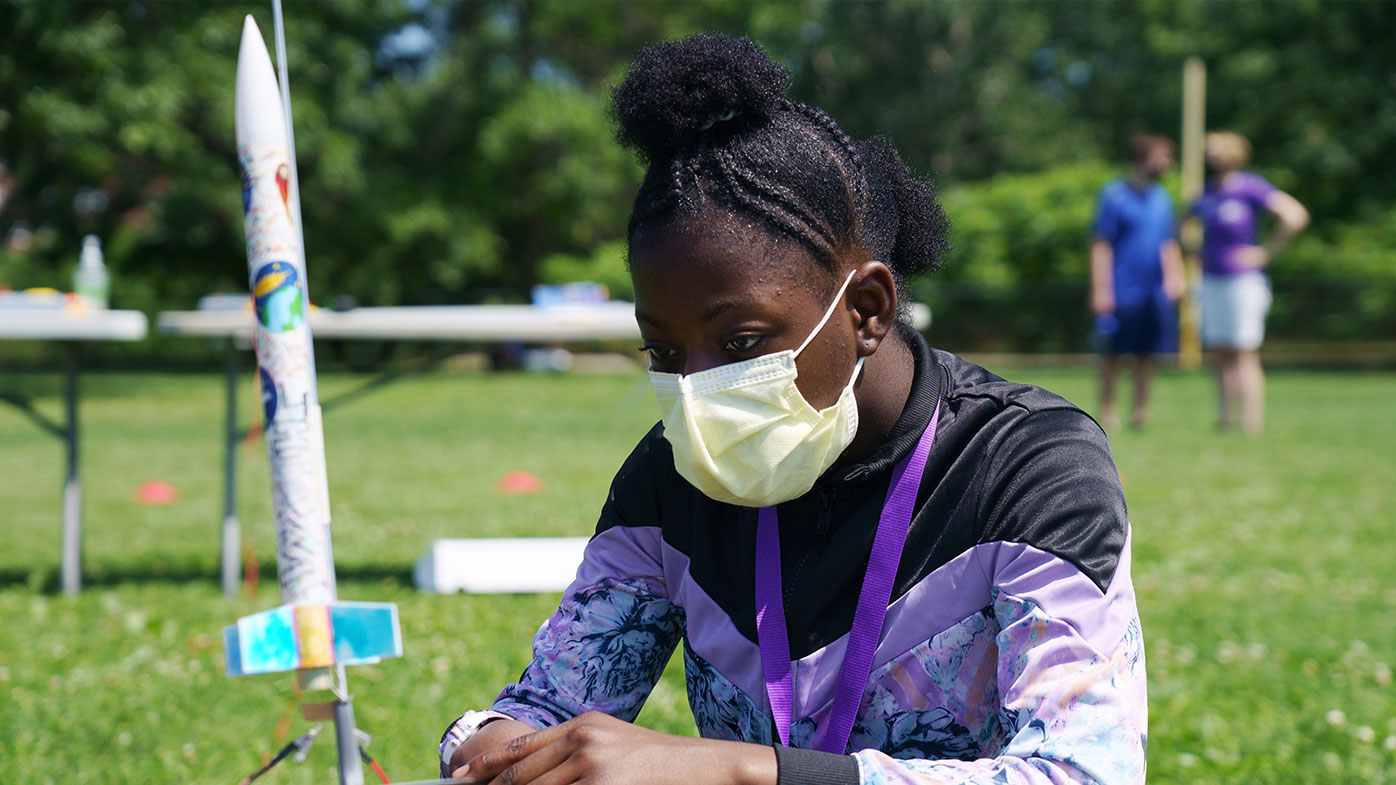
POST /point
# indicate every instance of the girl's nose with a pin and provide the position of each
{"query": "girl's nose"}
(698, 361)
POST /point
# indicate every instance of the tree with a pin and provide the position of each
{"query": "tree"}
(453, 151)
(121, 124)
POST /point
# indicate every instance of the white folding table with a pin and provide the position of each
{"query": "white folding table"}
(465, 323)
(71, 327)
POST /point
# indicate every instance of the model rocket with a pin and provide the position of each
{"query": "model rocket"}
(311, 630)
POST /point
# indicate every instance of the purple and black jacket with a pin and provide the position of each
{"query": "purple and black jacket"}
(1011, 651)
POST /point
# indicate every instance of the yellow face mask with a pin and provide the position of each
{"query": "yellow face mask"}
(743, 434)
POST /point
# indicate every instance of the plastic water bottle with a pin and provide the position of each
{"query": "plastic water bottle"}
(90, 279)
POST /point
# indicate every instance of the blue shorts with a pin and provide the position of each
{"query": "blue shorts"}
(1149, 328)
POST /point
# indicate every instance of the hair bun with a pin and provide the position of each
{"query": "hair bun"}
(907, 224)
(676, 90)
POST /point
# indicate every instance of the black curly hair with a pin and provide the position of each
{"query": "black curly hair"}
(710, 118)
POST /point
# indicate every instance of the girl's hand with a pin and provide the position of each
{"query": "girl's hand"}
(492, 734)
(598, 748)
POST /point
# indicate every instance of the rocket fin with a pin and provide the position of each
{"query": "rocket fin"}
(294, 637)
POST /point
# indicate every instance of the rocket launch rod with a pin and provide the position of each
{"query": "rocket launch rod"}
(350, 767)
(278, 25)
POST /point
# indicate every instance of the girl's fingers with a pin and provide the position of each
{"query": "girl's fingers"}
(492, 762)
(565, 772)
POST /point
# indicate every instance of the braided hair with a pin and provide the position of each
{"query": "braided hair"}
(709, 117)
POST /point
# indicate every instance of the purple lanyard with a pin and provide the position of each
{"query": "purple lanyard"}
(872, 602)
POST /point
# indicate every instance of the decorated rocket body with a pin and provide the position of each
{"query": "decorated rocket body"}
(311, 629)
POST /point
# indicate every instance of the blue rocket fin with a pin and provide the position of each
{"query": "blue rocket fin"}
(296, 637)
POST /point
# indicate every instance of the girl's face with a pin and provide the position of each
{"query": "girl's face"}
(721, 288)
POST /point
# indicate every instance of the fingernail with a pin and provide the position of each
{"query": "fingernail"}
(459, 774)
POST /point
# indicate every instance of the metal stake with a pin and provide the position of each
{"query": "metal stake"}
(232, 528)
(71, 570)
(351, 770)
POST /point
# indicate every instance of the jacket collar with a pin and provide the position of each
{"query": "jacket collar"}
(927, 386)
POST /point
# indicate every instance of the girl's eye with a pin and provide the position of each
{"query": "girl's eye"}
(743, 343)
(658, 353)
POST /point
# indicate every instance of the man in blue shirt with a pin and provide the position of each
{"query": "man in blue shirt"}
(1136, 275)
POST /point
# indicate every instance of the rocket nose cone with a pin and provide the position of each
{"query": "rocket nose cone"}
(257, 112)
(249, 28)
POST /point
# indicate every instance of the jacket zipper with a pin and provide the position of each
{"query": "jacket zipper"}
(826, 510)
(791, 578)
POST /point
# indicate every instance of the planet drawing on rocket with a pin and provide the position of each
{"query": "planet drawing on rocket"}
(276, 292)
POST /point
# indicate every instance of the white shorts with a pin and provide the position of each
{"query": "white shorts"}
(1233, 310)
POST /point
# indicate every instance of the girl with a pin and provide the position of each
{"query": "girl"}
(885, 565)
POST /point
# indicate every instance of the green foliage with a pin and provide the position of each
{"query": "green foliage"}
(1351, 249)
(606, 265)
(448, 149)
(1017, 277)
(133, 102)
(1025, 227)
(1258, 621)
(1340, 285)
(556, 179)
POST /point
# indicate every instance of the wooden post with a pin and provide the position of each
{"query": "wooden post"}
(1190, 235)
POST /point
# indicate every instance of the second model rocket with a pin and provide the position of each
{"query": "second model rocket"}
(311, 629)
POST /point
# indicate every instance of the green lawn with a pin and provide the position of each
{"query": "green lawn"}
(1263, 568)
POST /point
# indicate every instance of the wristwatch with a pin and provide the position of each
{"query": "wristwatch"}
(465, 727)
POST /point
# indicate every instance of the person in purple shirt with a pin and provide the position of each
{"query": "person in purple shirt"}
(1136, 274)
(1235, 288)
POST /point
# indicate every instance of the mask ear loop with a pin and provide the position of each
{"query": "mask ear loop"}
(832, 306)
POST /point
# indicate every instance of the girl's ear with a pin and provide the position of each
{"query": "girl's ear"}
(873, 295)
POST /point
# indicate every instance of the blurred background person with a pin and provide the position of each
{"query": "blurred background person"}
(1136, 275)
(1235, 288)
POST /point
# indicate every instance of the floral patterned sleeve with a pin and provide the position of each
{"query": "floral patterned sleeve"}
(605, 646)
(609, 640)
(603, 650)
(616, 625)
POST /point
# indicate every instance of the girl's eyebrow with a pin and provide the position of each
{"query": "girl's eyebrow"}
(712, 313)
(722, 307)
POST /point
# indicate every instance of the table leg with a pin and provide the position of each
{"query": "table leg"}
(232, 528)
(72, 486)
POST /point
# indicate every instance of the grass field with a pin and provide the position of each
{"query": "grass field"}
(1263, 566)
